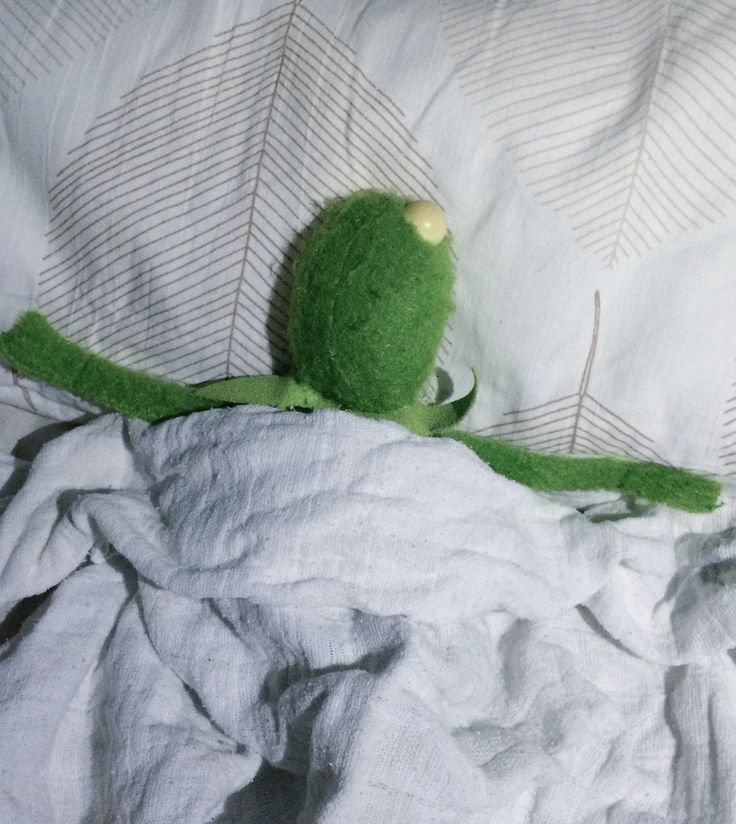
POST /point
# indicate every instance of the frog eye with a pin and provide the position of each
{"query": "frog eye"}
(429, 220)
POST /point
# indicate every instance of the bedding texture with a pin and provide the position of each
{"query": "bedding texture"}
(280, 617)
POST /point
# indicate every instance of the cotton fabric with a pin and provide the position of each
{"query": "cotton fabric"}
(283, 617)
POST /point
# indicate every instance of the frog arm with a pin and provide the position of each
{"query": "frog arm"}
(556, 473)
(35, 349)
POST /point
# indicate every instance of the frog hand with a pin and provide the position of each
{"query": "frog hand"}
(556, 473)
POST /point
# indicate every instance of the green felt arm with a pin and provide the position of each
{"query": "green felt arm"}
(35, 349)
(555, 473)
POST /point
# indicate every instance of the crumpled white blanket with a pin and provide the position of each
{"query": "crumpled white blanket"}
(277, 617)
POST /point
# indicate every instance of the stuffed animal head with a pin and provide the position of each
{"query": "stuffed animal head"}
(370, 300)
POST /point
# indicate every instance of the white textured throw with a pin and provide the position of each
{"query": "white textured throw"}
(275, 617)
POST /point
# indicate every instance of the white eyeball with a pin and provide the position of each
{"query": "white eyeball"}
(429, 219)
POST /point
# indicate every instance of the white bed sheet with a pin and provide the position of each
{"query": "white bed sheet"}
(323, 618)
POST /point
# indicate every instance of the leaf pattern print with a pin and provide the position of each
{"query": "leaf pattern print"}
(39, 36)
(621, 116)
(727, 452)
(575, 423)
(176, 221)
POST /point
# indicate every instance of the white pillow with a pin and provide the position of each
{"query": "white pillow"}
(159, 169)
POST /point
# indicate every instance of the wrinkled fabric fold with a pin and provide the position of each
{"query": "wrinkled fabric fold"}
(281, 617)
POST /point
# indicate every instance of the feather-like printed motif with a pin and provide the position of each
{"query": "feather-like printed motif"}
(40, 36)
(577, 423)
(727, 451)
(175, 222)
(621, 116)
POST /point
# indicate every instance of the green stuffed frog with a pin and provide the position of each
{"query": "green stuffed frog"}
(370, 300)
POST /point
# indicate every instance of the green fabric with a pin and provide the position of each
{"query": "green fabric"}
(554, 473)
(370, 300)
(37, 350)
(431, 419)
(442, 416)
(268, 390)
(286, 393)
